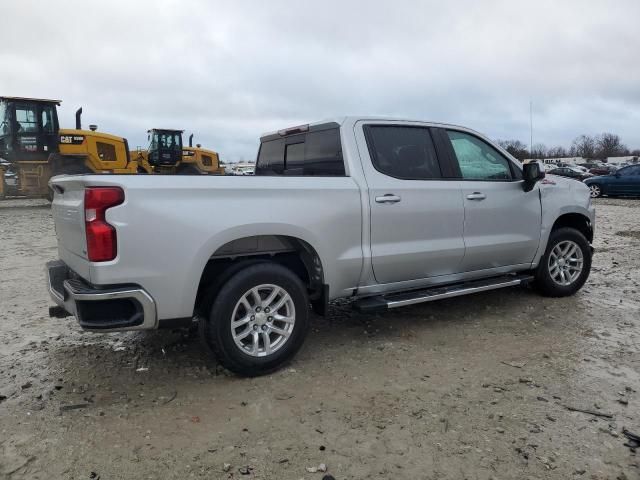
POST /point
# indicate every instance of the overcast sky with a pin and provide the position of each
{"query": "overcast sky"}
(229, 71)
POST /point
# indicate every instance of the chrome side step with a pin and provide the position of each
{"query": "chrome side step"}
(402, 299)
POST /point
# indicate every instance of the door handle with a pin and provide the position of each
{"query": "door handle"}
(388, 198)
(476, 196)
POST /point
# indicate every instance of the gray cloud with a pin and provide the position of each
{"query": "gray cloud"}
(228, 71)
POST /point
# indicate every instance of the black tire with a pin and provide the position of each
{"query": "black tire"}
(544, 281)
(188, 170)
(216, 329)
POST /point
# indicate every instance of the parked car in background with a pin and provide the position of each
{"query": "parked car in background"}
(625, 181)
(590, 165)
(603, 169)
(570, 172)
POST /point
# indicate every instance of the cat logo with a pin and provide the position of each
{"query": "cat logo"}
(72, 139)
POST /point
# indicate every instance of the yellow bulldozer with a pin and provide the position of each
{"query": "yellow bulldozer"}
(34, 147)
(167, 155)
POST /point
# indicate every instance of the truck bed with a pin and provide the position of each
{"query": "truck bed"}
(169, 226)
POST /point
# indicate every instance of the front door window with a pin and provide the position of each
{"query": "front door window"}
(477, 159)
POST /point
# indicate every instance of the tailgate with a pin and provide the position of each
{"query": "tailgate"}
(68, 215)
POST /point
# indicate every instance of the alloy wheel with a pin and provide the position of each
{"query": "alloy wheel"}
(263, 320)
(565, 263)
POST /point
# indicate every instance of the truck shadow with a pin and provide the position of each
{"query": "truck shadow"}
(170, 355)
(149, 368)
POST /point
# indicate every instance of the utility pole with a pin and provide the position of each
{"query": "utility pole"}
(531, 127)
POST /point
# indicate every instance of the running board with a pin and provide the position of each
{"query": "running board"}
(402, 299)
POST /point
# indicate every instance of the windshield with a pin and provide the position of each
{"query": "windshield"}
(26, 118)
(170, 141)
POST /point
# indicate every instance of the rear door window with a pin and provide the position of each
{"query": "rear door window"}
(403, 152)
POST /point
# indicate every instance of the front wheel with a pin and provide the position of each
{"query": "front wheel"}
(258, 320)
(565, 265)
(594, 190)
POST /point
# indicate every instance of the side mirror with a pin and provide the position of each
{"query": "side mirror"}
(532, 173)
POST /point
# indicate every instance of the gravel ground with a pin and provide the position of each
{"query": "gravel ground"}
(469, 388)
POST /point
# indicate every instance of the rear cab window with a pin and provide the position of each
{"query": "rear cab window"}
(314, 152)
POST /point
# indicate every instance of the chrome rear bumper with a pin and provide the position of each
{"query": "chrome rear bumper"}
(100, 309)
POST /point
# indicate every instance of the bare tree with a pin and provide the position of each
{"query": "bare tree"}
(635, 152)
(584, 146)
(610, 145)
(557, 152)
(539, 151)
(515, 148)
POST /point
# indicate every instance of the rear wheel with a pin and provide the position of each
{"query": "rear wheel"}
(595, 190)
(565, 265)
(258, 320)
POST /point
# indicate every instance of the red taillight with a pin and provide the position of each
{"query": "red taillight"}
(102, 244)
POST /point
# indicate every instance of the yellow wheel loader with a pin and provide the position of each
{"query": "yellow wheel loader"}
(37, 149)
(201, 160)
(167, 155)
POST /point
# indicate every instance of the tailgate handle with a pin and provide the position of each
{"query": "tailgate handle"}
(58, 189)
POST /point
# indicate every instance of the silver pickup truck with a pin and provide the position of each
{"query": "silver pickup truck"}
(386, 212)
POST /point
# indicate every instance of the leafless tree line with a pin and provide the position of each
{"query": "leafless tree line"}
(586, 146)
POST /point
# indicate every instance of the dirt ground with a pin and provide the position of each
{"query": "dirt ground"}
(469, 388)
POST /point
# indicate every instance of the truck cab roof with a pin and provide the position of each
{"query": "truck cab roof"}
(352, 119)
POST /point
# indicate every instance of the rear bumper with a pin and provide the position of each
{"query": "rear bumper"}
(100, 309)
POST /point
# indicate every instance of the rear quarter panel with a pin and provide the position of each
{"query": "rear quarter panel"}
(169, 226)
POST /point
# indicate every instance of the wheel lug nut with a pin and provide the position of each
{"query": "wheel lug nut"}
(270, 319)
(255, 327)
(264, 327)
(266, 310)
(253, 317)
(258, 309)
